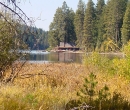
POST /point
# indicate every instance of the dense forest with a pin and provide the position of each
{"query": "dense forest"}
(93, 27)
(35, 38)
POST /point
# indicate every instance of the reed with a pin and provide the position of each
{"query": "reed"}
(52, 86)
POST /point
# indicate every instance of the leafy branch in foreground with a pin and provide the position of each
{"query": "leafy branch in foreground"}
(11, 20)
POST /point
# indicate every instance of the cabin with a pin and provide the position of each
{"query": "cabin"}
(66, 47)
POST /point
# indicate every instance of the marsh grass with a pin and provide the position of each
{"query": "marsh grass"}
(50, 91)
(52, 86)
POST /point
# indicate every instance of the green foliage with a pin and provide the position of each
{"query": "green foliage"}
(89, 38)
(36, 39)
(78, 23)
(122, 66)
(99, 61)
(31, 99)
(109, 63)
(100, 23)
(114, 13)
(62, 27)
(126, 26)
(101, 28)
(103, 93)
(87, 94)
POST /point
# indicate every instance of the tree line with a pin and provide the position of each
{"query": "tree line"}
(100, 27)
(35, 38)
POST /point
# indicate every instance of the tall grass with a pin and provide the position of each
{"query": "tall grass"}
(52, 86)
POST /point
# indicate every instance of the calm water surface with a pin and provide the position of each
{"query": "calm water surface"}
(45, 57)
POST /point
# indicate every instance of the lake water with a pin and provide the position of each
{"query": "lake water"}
(68, 57)
(46, 57)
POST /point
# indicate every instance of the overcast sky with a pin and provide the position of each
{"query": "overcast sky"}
(45, 10)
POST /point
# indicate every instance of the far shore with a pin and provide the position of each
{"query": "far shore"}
(67, 51)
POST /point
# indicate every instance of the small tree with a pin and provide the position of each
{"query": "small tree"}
(89, 91)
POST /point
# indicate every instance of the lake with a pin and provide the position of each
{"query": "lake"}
(67, 57)
(46, 57)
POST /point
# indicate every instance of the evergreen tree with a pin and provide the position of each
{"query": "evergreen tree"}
(70, 27)
(99, 22)
(62, 27)
(65, 11)
(78, 22)
(99, 8)
(67, 27)
(114, 13)
(126, 26)
(89, 31)
(55, 33)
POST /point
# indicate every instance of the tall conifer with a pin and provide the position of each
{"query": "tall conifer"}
(126, 26)
(62, 27)
(99, 22)
(78, 22)
(88, 28)
(114, 14)
(55, 35)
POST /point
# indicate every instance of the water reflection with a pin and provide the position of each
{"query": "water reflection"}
(56, 57)
(45, 57)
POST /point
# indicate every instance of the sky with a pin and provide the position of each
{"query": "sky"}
(42, 11)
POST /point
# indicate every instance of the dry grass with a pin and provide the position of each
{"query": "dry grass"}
(51, 86)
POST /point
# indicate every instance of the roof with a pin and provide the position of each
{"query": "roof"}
(62, 44)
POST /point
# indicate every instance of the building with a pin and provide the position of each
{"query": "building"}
(66, 47)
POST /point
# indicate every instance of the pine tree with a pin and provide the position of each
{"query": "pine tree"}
(99, 22)
(65, 11)
(126, 26)
(114, 13)
(88, 28)
(70, 27)
(78, 22)
(99, 8)
(55, 35)
(62, 27)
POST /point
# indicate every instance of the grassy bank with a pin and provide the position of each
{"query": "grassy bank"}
(52, 86)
